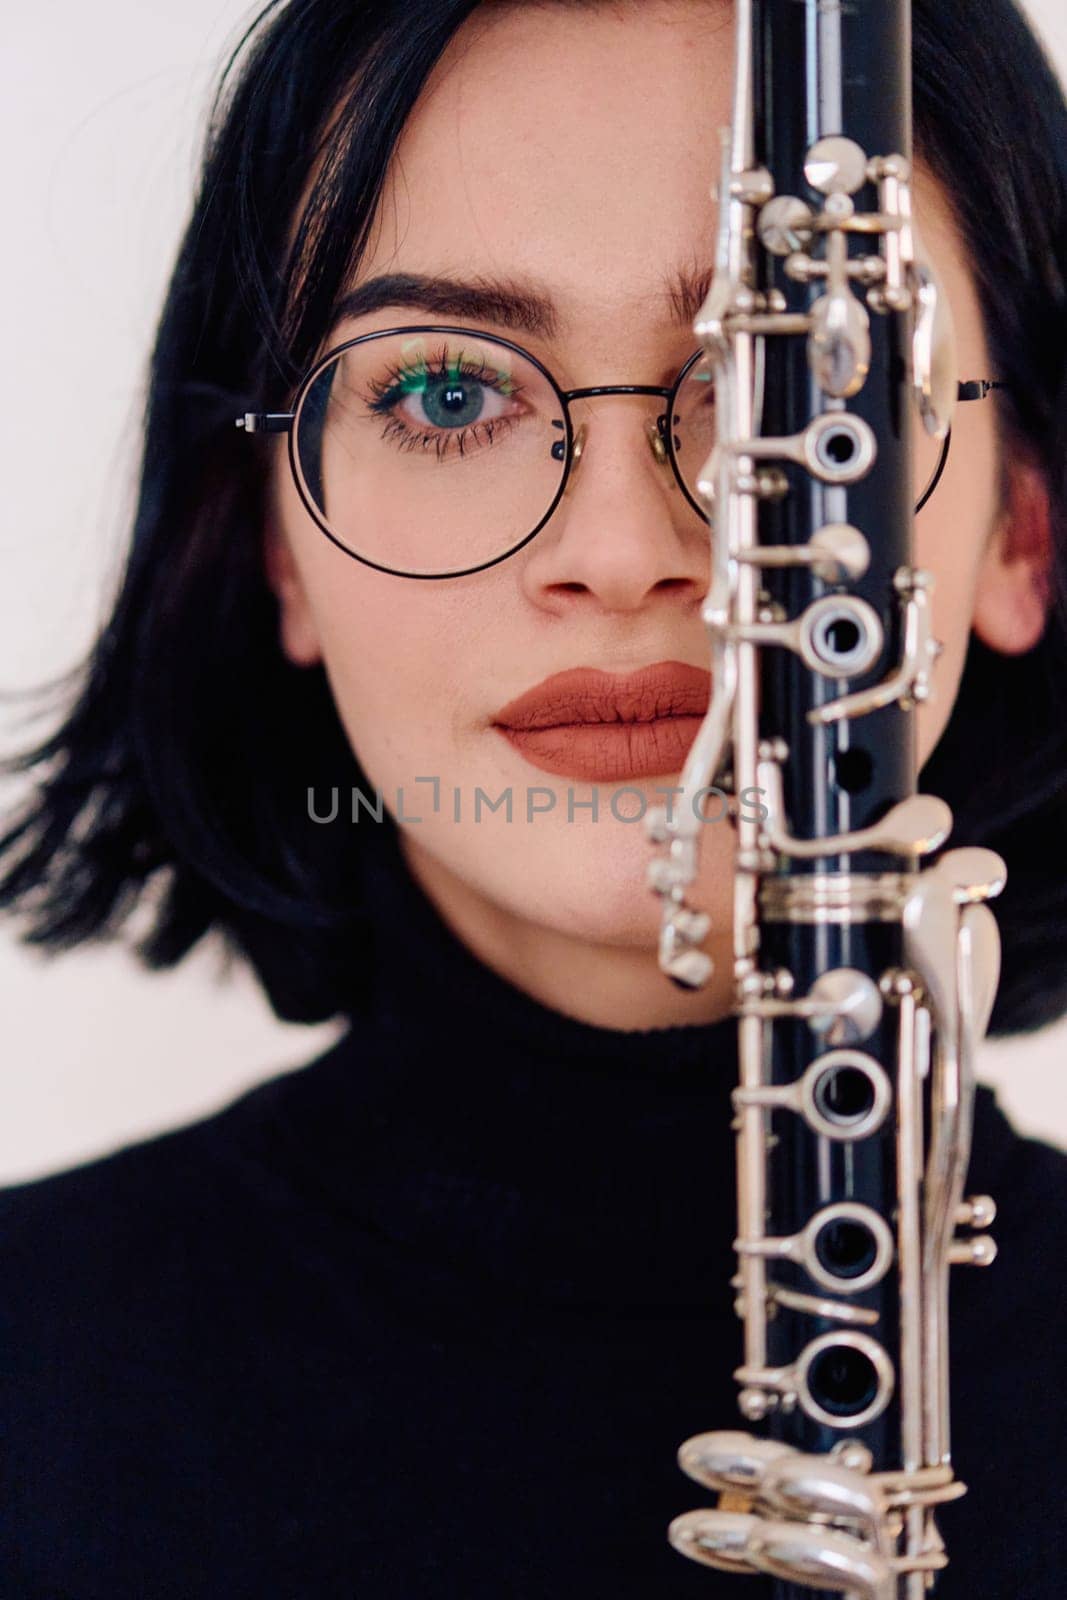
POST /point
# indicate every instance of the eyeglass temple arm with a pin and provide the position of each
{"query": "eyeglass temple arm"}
(966, 389)
(266, 422)
(977, 388)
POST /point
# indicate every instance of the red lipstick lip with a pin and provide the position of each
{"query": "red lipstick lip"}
(587, 695)
(602, 727)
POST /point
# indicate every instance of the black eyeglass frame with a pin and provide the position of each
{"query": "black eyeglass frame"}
(286, 422)
(966, 389)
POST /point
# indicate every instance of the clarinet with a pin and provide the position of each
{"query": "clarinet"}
(865, 960)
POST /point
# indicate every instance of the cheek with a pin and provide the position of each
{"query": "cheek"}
(403, 658)
(951, 536)
(382, 655)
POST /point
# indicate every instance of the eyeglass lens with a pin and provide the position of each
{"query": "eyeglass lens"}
(430, 453)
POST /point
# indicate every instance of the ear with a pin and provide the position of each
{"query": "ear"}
(298, 633)
(1014, 585)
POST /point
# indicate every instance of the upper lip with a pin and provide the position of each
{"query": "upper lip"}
(590, 695)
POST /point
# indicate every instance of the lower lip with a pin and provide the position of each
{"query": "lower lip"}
(601, 752)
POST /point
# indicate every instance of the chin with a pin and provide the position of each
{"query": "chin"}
(588, 891)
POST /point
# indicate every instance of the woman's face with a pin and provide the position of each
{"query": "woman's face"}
(570, 152)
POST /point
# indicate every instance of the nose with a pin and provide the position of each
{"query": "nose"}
(623, 533)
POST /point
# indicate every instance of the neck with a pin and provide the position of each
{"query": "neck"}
(605, 985)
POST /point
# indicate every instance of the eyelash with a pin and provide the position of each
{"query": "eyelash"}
(387, 394)
(454, 442)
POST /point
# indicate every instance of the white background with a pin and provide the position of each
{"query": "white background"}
(101, 115)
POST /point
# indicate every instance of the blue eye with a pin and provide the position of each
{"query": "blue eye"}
(447, 403)
(453, 404)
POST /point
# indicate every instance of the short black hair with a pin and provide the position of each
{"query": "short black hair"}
(177, 779)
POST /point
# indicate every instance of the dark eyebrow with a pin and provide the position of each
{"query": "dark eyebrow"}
(505, 302)
(686, 290)
(509, 303)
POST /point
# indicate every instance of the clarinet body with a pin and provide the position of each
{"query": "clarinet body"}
(866, 960)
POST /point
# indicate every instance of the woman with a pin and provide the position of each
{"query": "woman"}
(431, 1315)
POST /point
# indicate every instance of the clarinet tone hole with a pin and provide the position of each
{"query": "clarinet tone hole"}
(843, 636)
(839, 447)
(853, 770)
(844, 1379)
(848, 1095)
(844, 1095)
(847, 1249)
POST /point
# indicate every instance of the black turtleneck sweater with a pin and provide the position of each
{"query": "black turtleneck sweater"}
(428, 1318)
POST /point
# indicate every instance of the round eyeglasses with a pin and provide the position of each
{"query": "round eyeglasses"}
(435, 452)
